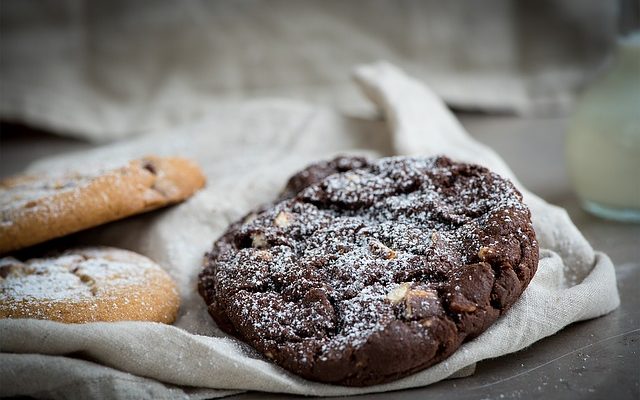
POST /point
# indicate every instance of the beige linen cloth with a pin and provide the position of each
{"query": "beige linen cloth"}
(247, 151)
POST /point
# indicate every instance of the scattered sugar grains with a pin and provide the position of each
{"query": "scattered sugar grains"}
(19, 192)
(69, 278)
(326, 265)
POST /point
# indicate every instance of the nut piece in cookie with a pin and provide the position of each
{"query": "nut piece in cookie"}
(88, 284)
(34, 209)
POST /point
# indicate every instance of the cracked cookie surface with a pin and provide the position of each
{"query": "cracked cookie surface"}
(367, 271)
(34, 209)
(87, 284)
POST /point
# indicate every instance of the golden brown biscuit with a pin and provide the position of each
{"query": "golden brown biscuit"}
(86, 285)
(38, 208)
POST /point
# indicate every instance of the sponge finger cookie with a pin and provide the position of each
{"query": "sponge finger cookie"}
(34, 209)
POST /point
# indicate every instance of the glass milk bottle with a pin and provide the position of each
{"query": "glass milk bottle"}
(603, 143)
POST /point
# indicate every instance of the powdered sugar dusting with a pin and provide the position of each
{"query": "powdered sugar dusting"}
(25, 191)
(28, 190)
(71, 277)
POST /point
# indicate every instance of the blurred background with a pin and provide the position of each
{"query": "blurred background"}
(104, 70)
(515, 72)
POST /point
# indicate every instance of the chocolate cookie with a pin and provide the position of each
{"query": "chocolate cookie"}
(369, 271)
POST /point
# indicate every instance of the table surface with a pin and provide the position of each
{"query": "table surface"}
(591, 359)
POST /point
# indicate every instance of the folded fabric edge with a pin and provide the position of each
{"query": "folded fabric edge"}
(62, 377)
